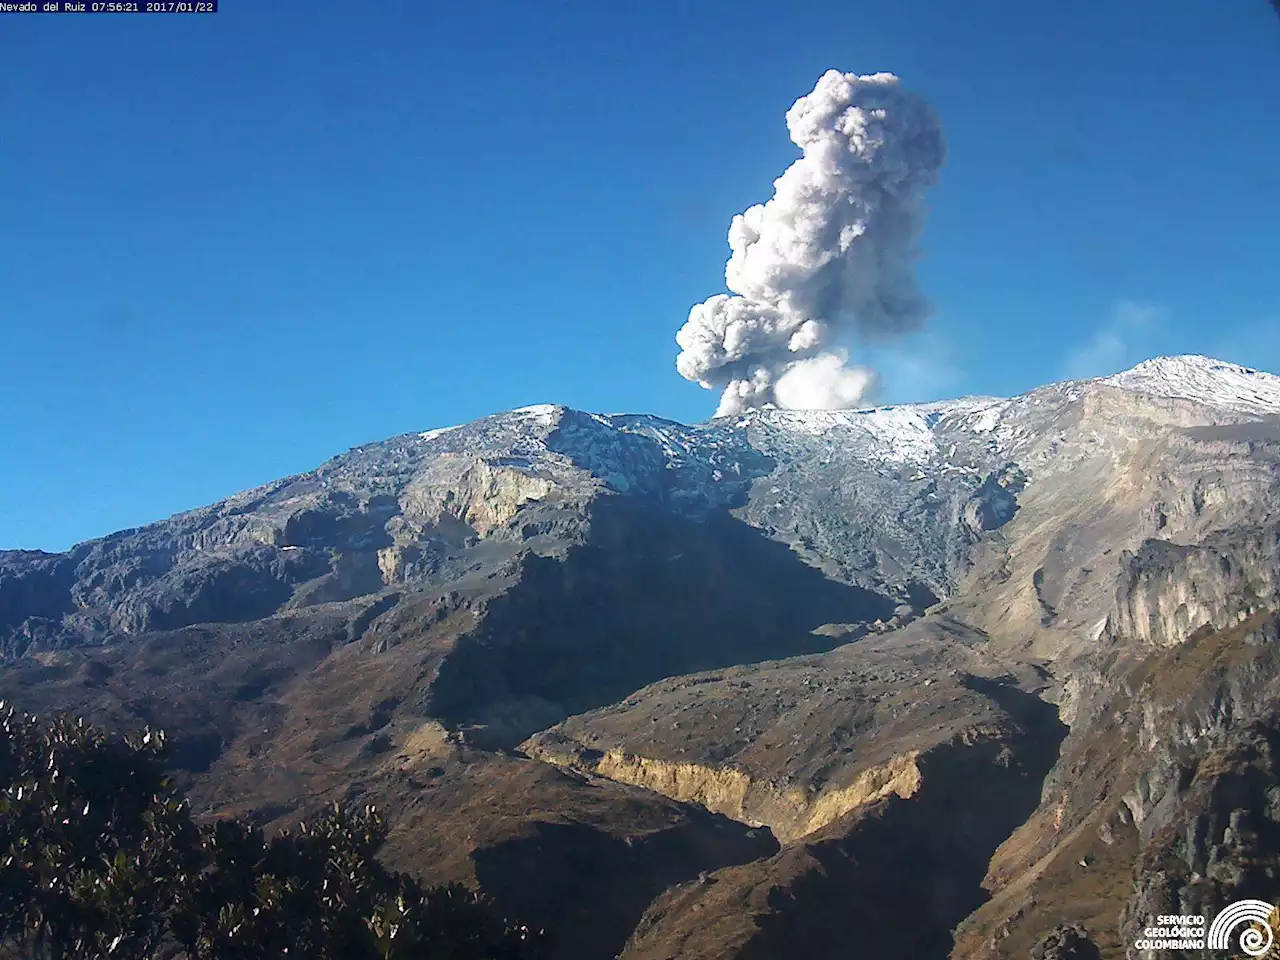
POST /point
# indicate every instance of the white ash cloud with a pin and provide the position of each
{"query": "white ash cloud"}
(828, 258)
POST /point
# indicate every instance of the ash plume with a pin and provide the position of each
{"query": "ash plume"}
(829, 259)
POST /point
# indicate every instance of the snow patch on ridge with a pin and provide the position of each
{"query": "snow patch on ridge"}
(428, 435)
(544, 414)
(906, 433)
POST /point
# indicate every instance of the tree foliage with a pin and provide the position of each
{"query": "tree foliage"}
(100, 857)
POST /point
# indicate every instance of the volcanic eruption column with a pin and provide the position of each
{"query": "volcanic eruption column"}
(829, 259)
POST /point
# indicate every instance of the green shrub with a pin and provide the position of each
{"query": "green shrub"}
(100, 857)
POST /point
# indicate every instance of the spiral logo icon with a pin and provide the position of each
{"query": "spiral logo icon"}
(1255, 941)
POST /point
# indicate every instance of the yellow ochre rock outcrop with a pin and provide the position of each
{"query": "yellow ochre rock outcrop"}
(790, 812)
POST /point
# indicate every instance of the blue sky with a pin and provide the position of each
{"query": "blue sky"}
(234, 245)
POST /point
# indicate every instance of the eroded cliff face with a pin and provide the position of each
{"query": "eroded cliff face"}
(475, 494)
(789, 814)
(1221, 843)
(1168, 591)
(1136, 818)
(1102, 491)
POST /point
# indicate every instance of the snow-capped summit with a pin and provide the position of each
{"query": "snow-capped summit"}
(1204, 380)
(917, 432)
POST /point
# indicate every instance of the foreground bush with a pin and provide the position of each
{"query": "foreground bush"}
(100, 857)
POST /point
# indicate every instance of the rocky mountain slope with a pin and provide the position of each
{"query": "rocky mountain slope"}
(929, 680)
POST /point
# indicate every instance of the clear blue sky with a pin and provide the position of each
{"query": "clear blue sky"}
(234, 245)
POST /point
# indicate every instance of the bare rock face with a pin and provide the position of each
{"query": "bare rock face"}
(987, 678)
(995, 501)
(479, 495)
(1135, 816)
(1222, 840)
(1066, 943)
(1171, 590)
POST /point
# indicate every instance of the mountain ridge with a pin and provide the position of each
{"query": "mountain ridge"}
(1187, 377)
